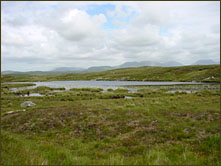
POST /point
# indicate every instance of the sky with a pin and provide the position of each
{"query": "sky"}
(46, 35)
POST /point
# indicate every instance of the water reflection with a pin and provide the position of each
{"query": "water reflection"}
(187, 91)
(105, 85)
(32, 94)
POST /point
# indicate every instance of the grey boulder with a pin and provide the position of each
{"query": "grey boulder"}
(27, 104)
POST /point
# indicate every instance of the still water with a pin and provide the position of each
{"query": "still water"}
(101, 84)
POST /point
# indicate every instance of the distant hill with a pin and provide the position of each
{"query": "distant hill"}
(139, 64)
(8, 72)
(149, 63)
(98, 68)
(68, 69)
(37, 73)
(207, 73)
(205, 62)
(82, 70)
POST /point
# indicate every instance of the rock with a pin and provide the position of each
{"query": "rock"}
(128, 97)
(10, 112)
(27, 104)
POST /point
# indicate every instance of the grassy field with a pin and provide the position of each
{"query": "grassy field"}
(86, 126)
(206, 73)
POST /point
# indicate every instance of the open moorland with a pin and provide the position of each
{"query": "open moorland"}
(199, 73)
(89, 126)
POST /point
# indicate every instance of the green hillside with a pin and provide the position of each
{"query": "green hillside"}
(205, 73)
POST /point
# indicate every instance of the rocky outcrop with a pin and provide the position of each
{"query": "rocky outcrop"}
(27, 104)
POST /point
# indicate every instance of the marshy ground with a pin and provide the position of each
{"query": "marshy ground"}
(87, 126)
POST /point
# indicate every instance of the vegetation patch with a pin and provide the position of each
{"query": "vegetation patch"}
(5, 85)
(84, 126)
(198, 73)
(87, 89)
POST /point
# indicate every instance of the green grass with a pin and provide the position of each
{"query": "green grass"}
(5, 85)
(206, 73)
(87, 89)
(86, 126)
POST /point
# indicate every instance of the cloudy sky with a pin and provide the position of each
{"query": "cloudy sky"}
(45, 35)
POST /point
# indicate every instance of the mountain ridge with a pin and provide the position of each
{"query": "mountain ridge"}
(62, 70)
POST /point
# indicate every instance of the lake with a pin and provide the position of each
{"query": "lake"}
(101, 84)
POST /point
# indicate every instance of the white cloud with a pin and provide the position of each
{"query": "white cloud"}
(64, 34)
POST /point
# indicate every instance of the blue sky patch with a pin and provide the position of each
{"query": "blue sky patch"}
(164, 30)
(111, 21)
(99, 9)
